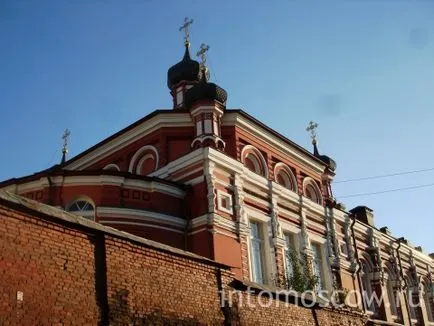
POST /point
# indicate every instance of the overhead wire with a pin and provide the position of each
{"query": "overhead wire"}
(384, 175)
(387, 191)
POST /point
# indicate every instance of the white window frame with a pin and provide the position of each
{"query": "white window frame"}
(326, 270)
(228, 197)
(345, 245)
(88, 214)
(262, 264)
(263, 219)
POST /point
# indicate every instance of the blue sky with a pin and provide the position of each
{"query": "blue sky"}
(364, 70)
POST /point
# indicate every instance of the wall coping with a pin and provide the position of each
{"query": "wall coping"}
(60, 216)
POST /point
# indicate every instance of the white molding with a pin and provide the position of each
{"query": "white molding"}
(257, 215)
(198, 221)
(220, 195)
(142, 215)
(237, 119)
(180, 163)
(188, 173)
(289, 227)
(309, 180)
(111, 165)
(162, 119)
(287, 169)
(137, 155)
(259, 154)
(195, 181)
(114, 222)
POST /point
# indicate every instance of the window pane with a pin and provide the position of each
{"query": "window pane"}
(317, 264)
(289, 248)
(256, 253)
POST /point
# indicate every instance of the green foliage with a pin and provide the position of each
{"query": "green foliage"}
(301, 278)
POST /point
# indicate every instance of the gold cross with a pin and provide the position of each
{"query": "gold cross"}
(311, 128)
(185, 27)
(202, 53)
(65, 137)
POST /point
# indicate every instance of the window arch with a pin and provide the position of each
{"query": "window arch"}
(412, 296)
(83, 207)
(367, 293)
(254, 160)
(392, 292)
(144, 161)
(428, 299)
(284, 176)
(311, 190)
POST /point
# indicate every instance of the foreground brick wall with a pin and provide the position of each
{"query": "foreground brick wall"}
(57, 269)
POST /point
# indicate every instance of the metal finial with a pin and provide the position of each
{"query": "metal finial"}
(65, 137)
(311, 128)
(185, 27)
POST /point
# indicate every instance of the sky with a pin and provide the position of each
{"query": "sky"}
(363, 70)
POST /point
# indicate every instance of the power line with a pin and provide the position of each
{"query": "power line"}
(384, 175)
(387, 191)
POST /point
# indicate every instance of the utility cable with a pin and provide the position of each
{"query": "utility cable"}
(387, 191)
(384, 175)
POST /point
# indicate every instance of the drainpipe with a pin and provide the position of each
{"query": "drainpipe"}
(407, 304)
(356, 253)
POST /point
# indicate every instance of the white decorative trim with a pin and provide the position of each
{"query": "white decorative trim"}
(291, 175)
(146, 127)
(301, 157)
(257, 215)
(199, 169)
(310, 181)
(259, 154)
(111, 165)
(137, 155)
(220, 196)
(198, 221)
(181, 163)
(153, 226)
(289, 227)
(142, 215)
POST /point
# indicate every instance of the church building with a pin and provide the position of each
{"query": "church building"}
(216, 182)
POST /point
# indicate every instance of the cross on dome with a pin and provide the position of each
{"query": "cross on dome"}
(65, 138)
(311, 128)
(187, 23)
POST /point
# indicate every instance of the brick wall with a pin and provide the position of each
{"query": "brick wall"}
(58, 269)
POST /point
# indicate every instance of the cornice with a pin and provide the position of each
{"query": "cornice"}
(160, 120)
(289, 149)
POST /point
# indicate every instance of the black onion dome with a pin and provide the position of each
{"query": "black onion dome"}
(331, 163)
(185, 70)
(205, 91)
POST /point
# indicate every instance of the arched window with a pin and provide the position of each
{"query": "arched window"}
(254, 161)
(392, 293)
(412, 296)
(367, 293)
(83, 207)
(144, 161)
(284, 176)
(312, 191)
(428, 299)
